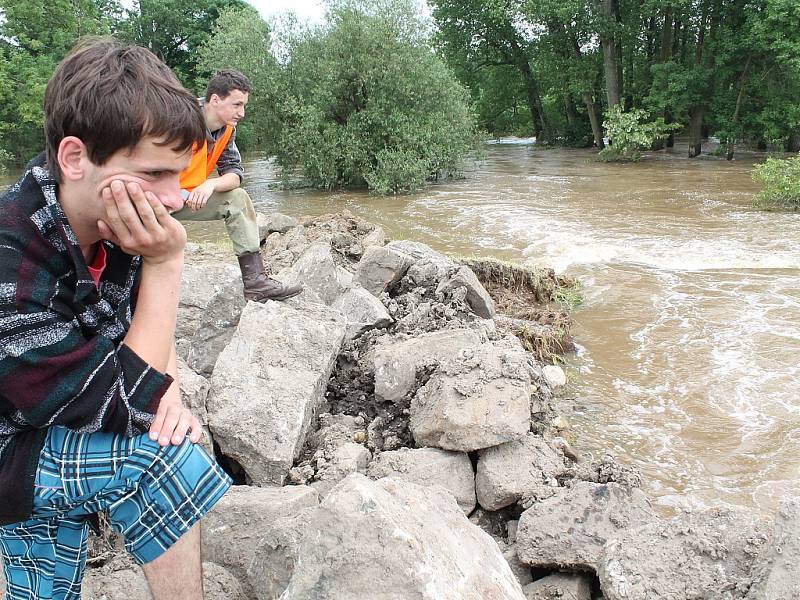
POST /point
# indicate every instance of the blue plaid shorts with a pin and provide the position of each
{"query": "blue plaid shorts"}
(152, 495)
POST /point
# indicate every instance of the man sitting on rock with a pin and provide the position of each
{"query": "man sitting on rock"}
(91, 417)
(222, 197)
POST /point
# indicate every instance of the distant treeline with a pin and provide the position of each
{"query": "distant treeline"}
(551, 68)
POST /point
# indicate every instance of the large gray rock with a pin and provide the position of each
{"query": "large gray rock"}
(508, 472)
(194, 393)
(233, 529)
(269, 382)
(317, 271)
(560, 586)
(476, 400)
(274, 222)
(362, 310)
(203, 278)
(127, 582)
(376, 237)
(776, 573)
(216, 325)
(419, 251)
(569, 529)
(396, 540)
(707, 554)
(451, 471)
(478, 298)
(380, 268)
(397, 362)
(276, 555)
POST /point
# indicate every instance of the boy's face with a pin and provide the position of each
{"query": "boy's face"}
(156, 168)
(230, 109)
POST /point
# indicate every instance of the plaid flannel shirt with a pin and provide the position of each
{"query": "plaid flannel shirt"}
(61, 357)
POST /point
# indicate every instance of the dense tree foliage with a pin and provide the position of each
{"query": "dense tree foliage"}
(36, 34)
(175, 29)
(725, 67)
(368, 103)
(362, 100)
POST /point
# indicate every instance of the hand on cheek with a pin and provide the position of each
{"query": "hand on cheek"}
(139, 223)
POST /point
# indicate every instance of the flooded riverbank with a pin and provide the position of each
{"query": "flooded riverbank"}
(689, 336)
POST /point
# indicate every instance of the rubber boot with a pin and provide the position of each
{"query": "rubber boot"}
(258, 285)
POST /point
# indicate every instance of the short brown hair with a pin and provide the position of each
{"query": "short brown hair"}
(227, 80)
(112, 96)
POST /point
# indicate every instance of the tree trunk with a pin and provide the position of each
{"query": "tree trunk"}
(793, 143)
(710, 18)
(594, 119)
(588, 99)
(737, 110)
(611, 59)
(666, 36)
(569, 111)
(520, 59)
(540, 128)
(696, 114)
(651, 39)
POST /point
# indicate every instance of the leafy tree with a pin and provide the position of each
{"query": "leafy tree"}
(492, 34)
(34, 36)
(781, 181)
(369, 104)
(630, 132)
(241, 40)
(174, 30)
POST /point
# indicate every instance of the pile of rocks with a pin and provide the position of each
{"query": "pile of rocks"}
(390, 442)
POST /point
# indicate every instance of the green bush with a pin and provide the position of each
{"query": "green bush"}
(631, 132)
(368, 103)
(781, 181)
(5, 159)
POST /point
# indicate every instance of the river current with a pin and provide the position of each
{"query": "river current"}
(689, 333)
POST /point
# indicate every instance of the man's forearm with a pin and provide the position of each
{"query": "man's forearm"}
(226, 183)
(151, 334)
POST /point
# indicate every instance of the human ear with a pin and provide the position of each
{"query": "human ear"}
(71, 152)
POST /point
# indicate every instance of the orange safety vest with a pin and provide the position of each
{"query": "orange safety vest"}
(203, 162)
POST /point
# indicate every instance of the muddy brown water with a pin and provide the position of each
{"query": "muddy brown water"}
(689, 335)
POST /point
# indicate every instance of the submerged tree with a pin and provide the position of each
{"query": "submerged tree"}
(369, 104)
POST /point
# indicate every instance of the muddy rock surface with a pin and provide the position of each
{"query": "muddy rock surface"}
(569, 530)
(708, 554)
(411, 541)
(775, 574)
(430, 467)
(559, 587)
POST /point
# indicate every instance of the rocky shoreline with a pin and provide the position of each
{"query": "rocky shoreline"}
(394, 435)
